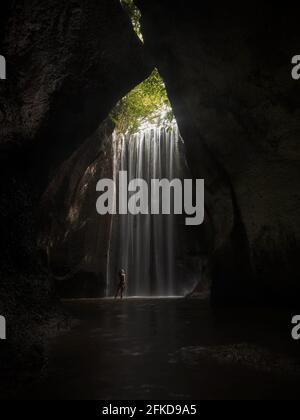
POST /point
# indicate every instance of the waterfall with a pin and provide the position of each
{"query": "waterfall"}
(145, 245)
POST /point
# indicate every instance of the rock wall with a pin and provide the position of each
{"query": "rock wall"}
(73, 238)
(68, 63)
(227, 68)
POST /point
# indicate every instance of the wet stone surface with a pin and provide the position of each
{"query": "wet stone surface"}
(169, 349)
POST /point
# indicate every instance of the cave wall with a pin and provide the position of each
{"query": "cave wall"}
(68, 63)
(73, 240)
(227, 68)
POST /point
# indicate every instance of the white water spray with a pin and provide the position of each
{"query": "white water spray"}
(145, 245)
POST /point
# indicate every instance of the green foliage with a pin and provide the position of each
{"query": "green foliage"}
(135, 16)
(146, 104)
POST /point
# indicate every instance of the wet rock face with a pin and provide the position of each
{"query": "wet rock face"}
(73, 238)
(68, 63)
(228, 75)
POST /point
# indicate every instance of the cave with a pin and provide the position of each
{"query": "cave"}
(229, 115)
(83, 249)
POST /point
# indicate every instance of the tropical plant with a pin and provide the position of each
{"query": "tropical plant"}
(146, 104)
(135, 16)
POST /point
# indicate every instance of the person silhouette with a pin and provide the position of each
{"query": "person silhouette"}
(122, 284)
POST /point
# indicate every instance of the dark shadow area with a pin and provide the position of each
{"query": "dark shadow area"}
(170, 349)
(227, 73)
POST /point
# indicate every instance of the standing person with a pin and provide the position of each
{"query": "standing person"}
(122, 284)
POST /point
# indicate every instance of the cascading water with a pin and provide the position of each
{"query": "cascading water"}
(146, 245)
